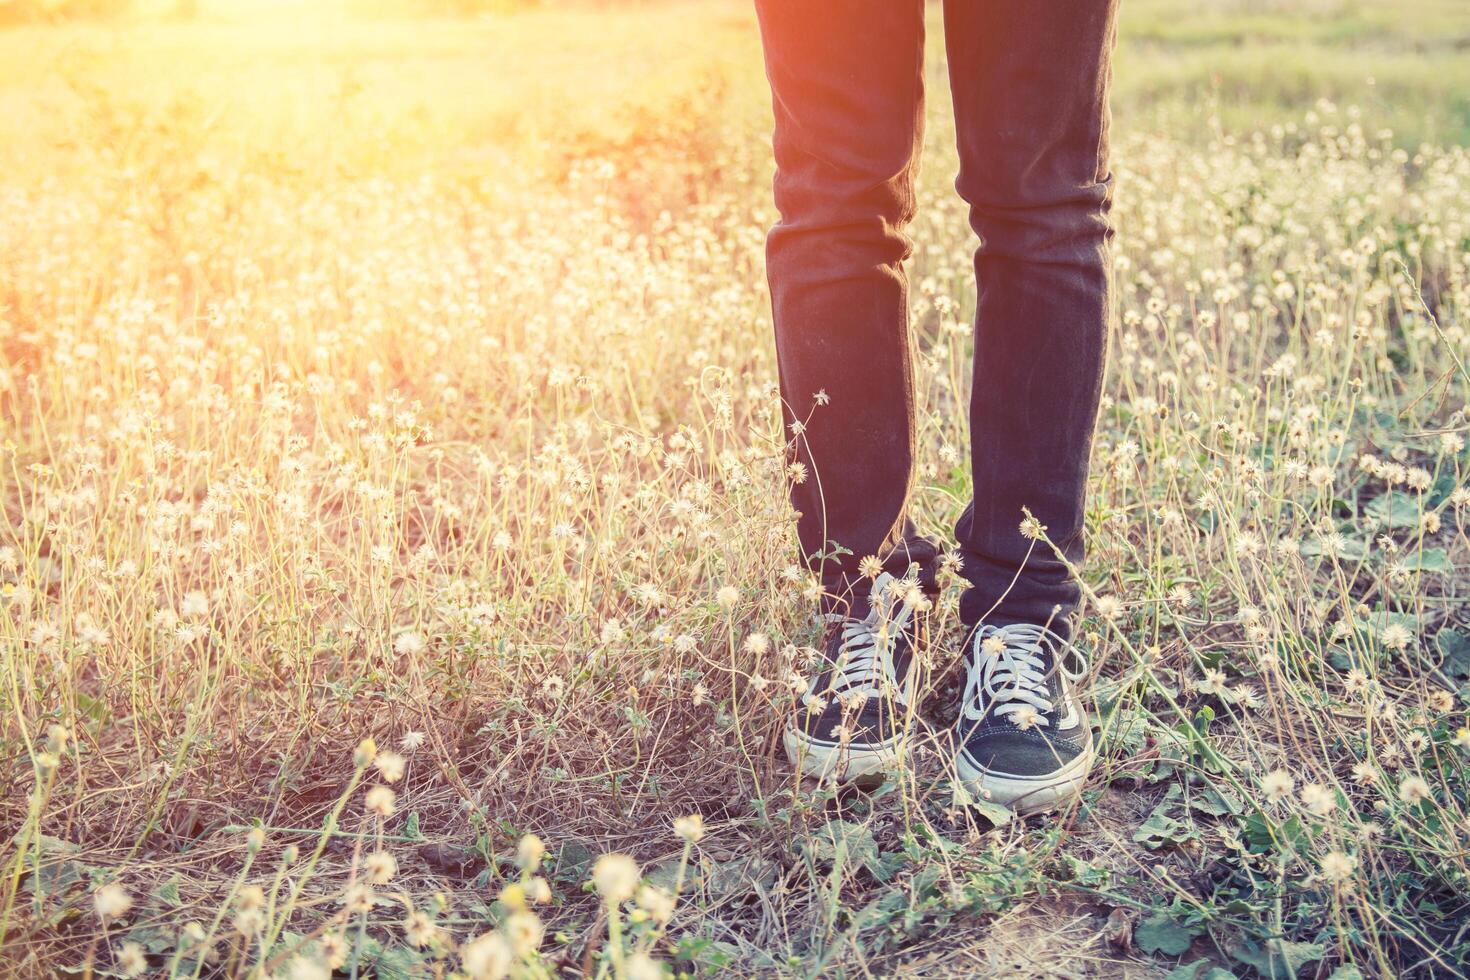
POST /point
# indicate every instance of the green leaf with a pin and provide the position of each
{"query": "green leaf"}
(92, 709)
(1393, 511)
(1288, 835)
(1278, 959)
(1085, 873)
(998, 815)
(1161, 934)
(1454, 646)
(666, 873)
(841, 839)
(572, 861)
(1351, 549)
(1192, 971)
(1346, 972)
(1213, 803)
(740, 876)
(1161, 829)
(1430, 560)
(152, 938)
(707, 952)
(56, 870)
(167, 894)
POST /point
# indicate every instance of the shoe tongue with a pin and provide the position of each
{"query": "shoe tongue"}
(1022, 650)
(888, 598)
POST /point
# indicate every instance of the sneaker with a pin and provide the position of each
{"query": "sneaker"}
(855, 712)
(1025, 742)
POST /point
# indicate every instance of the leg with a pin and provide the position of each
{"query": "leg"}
(847, 91)
(1030, 83)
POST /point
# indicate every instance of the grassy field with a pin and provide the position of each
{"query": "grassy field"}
(391, 472)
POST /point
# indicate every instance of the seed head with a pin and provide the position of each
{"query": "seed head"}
(112, 901)
(1277, 785)
(380, 800)
(390, 766)
(130, 960)
(487, 957)
(1414, 790)
(529, 852)
(615, 876)
(380, 867)
(332, 949)
(524, 932)
(1318, 799)
(690, 828)
(641, 966)
(1337, 866)
(1396, 636)
(419, 928)
(304, 968)
(250, 897)
(411, 742)
(658, 903)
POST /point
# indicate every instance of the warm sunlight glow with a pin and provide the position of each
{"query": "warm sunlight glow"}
(399, 573)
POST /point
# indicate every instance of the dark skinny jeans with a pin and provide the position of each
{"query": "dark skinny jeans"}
(1030, 85)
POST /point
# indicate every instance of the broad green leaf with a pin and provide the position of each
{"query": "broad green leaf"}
(1160, 828)
(1277, 959)
(1199, 970)
(572, 861)
(1430, 560)
(853, 841)
(1211, 802)
(1393, 511)
(167, 894)
(740, 876)
(998, 815)
(1161, 934)
(92, 709)
(1454, 646)
(1351, 550)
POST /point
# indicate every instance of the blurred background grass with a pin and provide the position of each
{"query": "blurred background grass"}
(489, 86)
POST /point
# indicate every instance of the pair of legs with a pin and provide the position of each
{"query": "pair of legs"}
(1030, 84)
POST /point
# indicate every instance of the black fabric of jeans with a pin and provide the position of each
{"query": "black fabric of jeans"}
(1030, 85)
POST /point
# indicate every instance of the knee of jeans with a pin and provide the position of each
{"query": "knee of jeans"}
(832, 245)
(847, 212)
(1069, 226)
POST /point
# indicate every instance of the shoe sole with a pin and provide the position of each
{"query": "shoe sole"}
(1025, 795)
(844, 763)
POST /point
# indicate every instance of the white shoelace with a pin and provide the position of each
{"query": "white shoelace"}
(1012, 679)
(864, 666)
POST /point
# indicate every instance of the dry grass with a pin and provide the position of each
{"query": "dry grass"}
(331, 419)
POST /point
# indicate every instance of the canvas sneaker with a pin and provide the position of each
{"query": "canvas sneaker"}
(854, 714)
(1025, 741)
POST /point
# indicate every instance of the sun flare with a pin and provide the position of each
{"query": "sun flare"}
(397, 572)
